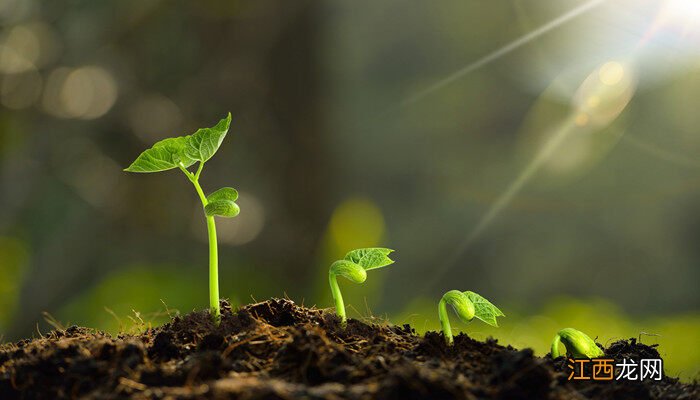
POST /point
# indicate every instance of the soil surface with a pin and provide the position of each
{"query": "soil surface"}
(279, 350)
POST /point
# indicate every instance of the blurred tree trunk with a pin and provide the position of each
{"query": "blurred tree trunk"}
(305, 182)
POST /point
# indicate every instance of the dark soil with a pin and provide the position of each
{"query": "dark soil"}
(278, 350)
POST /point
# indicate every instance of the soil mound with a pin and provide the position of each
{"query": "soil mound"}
(279, 350)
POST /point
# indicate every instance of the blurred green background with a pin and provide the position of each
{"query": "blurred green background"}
(540, 153)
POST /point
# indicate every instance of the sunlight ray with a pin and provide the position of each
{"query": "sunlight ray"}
(498, 53)
(544, 154)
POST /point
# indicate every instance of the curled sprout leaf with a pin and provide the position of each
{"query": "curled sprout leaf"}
(483, 309)
(202, 144)
(354, 267)
(225, 193)
(577, 343)
(370, 258)
(349, 270)
(461, 304)
(222, 208)
(466, 305)
(221, 203)
(162, 156)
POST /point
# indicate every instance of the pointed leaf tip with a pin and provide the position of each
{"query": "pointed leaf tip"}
(203, 144)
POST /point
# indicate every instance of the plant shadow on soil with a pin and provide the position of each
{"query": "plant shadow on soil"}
(279, 350)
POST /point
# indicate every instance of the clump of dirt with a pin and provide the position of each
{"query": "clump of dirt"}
(279, 350)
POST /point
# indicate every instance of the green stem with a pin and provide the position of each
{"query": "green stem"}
(337, 297)
(214, 307)
(445, 321)
(555, 346)
(199, 171)
(200, 192)
(213, 271)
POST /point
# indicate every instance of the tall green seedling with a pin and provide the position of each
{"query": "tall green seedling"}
(184, 152)
(466, 305)
(354, 266)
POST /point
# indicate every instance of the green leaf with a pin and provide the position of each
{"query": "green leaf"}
(222, 208)
(225, 193)
(370, 258)
(202, 144)
(483, 309)
(164, 155)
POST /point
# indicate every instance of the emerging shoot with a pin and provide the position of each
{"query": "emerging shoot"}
(467, 305)
(354, 267)
(183, 152)
(577, 343)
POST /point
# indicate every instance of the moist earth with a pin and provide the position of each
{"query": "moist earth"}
(279, 350)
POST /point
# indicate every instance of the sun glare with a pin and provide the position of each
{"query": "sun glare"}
(683, 15)
(683, 9)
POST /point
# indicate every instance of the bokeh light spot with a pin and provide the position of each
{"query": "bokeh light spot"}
(581, 119)
(593, 101)
(245, 227)
(357, 222)
(88, 93)
(564, 138)
(12, 61)
(605, 93)
(154, 116)
(611, 73)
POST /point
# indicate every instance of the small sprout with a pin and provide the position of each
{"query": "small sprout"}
(577, 343)
(182, 152)
(354, 267)
(467, 305)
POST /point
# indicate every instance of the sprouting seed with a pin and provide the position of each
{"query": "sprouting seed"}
(577, 343)
(466, 305)
(354, 266)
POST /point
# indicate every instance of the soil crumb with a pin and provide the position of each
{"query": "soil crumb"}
(279, 350)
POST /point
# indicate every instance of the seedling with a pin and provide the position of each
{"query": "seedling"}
(354, 267)
(577, 343)
(183, 152)
(467, 305)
